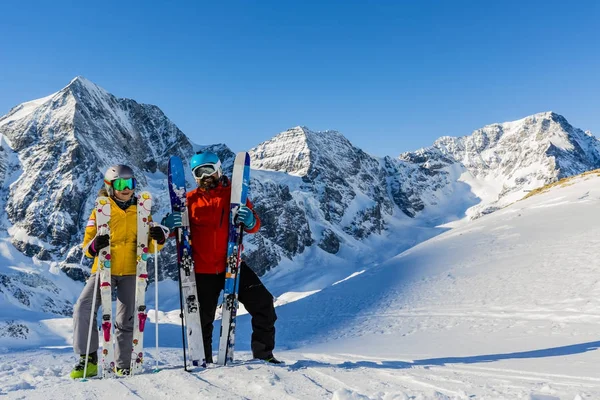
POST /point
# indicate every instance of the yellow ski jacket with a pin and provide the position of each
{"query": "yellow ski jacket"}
(123, 239)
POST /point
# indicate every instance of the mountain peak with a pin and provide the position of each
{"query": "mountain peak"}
(72, 136)
(505, 159)
(80, 85)
(288, 151)
(314, 135)
(294, 150)
(545, 114)
(533, 119)
(81, 80)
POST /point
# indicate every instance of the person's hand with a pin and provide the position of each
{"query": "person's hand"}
(172, 220)
(246, 216)
(98, 244)
(156, 233)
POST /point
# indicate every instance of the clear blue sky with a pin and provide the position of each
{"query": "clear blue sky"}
(392, 76)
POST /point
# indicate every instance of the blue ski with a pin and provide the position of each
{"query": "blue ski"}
(188, 296)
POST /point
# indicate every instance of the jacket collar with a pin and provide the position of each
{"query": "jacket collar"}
(124, 205)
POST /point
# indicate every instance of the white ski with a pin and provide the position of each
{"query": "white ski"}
(144, 205)
(104, 271)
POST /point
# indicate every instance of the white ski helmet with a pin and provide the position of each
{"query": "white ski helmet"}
(116, 172)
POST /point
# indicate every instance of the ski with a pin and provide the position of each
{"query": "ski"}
(144, 206)
(240, 185)
(104, 271)
(187, 276)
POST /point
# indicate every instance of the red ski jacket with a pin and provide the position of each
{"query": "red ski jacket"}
(209, 227)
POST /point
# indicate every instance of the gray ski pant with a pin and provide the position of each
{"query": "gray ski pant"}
(123, 320)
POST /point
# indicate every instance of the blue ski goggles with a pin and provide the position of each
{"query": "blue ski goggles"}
(122, 184)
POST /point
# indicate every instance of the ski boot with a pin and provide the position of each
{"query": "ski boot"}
(123, 371)
(92, 366)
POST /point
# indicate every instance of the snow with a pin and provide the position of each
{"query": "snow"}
(503, 307)
(20, 234)
(23, 110)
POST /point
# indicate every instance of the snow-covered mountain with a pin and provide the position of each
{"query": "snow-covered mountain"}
(344, 195)
(58, 148)
(332, 192)
(502, 307)
(501, 162)
(324, 203)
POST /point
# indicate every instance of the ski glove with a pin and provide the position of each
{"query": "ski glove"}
(156, 233)
(172, 220)
(98, 244)
(246, 216)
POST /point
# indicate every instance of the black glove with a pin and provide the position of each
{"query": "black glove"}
(98, 244)
(156, 233)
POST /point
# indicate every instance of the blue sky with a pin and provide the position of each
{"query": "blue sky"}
(392, 76)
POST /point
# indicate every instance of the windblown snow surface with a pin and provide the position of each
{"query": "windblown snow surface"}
(503, 307)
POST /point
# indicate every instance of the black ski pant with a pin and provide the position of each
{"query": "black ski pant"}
(255, 297)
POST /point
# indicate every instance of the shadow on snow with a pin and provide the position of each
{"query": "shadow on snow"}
(442, 361)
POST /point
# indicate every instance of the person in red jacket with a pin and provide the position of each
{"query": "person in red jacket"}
(208, 210)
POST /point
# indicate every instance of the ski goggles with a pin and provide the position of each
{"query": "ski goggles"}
(122, 183)
(204, 171)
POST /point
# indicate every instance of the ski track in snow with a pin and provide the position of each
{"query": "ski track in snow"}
(305, 376)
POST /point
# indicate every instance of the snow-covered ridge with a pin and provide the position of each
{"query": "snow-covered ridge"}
(24, 109)
(502, 162)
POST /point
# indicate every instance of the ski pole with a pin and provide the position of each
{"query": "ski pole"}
(89, 338)
(178, 230)
(182, 326)
(166, 232)
(156, 299)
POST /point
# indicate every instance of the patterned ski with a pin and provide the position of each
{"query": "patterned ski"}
(187, 277)
(104, 271)
(240, 185)
(144, 205)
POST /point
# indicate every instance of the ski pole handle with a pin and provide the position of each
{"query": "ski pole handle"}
(165, 229)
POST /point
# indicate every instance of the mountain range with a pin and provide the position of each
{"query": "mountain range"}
(323, 202)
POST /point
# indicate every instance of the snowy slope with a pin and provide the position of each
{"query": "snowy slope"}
(334, 221)
(503, 307)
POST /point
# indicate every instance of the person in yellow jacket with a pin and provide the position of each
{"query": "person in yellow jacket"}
(119, 185)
